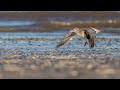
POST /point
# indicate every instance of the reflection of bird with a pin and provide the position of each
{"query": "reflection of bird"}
(89, 33)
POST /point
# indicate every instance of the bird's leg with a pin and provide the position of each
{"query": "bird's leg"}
(109, 43)
(85, 43)
(95, 41)
(95, 45)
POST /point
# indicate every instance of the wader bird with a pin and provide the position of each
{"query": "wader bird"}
(88, 33)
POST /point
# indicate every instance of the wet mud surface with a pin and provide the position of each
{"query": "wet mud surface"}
(28, 41)
(33, 55)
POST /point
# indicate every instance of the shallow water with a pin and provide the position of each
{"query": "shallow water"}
(44, 42)
(9, 23)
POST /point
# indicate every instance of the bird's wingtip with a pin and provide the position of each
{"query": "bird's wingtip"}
(57, 46)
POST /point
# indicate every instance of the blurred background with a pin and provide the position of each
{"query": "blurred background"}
(46, 21)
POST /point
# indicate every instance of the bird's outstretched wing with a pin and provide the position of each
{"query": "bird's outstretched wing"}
(91, 36)
(66, 38)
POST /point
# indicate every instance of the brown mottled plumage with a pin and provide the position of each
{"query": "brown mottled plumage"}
(89, 33)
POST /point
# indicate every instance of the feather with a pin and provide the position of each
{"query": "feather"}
(89, 33)
(65, 38)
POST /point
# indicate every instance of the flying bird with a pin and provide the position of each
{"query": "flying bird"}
(88, 33)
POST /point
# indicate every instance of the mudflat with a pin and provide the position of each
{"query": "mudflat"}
(27, 46)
